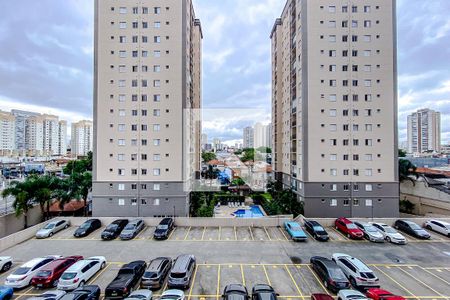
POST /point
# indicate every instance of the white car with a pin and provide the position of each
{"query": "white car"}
(371, 233)
(172, 295)
(80, 272)
(357, 272)
(49, 295)
(5, 263)
(351, 295)
(140, 295)
(390, 234)
(438, 226)
(21, 277)
(51, 228)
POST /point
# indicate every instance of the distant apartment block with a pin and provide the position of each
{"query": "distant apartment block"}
(248, 136)
(7, 133)
(334, 106)
(21, 117)
(82, 138)
(424, 131)
(147, 86)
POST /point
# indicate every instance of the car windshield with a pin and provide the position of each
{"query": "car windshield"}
(337, 274)
(318, 228)
(371, 229)
(138, 297)
(351, 226)
(355, 297)
(49, 226)
(162, 227)
(178, 275)
(68, 276)
(21, 271)
(130, 227)
(112, 227)
(150, 274)
(44, 273)
(414, 226)
(85, 225)
(169, 297)
(390, 230)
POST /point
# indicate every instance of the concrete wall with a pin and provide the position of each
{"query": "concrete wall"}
(427, 199)
(10, 223)
(20, 236)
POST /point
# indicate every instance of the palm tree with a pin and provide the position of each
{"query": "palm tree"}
(406, 170)
(23, 200)
(81, 185)
(45, 187)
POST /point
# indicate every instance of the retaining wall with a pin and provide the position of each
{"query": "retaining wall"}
(10, 223)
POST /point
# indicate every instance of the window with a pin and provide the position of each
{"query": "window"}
(121, 187)
(156, 142)
(157, 68)
(133, 201)
(156, 187)
(135, 10)
(355, 157)
(332, 9)
(144, 83)
(121, 112)
(367, 38)
(333, 187)
(157, 10)
(145, 10)
(368, 187)
(121, 98)
(355, 202)
(121, 172)
(367, 68)
(156, 112)
(156, 201)
(156, 98)
(368, 97)
(333, 156)
(123, 25)
(156, 83)
(156, 172)
(156, 127)
(354, 9)
(122, 39)
(367, 53)
(121, 127)
(133, 157)
(333, 127)
(157, 25)
(145, 39)
(333, 142)
(333, 202)
(121, 202)
(121, 142)
(332, 53)
(346, 202)
(354, 23)
(144, 24)
(345, 38)
(332, 98)
(332, 38)
(369, 202)
(156, 157)
(144, 53)
(367, 9)
(333, 172)
(332, 68)
(135, 25)
(332, 113)
(332, 82)
(122, 54)
(332, 24)
(134, 83)
(157, 39)
(367, 23)
(368, 172)
(122, 10)
(344, 24)
(355, 172)
(368, 157)
(144, 171)
(354, 38)
(157, 53)
(344, 9)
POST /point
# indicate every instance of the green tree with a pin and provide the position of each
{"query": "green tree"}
(237, 182)
(23, 201)
(81, 184)
(44, 191)
(264, 149)
(407, 170)
(401, 153)
(208, 156)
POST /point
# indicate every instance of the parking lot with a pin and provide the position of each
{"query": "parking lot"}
(233, 234)
(251, 255)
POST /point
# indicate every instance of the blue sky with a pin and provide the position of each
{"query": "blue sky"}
(46, 58)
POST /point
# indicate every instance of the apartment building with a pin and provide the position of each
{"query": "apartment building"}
(424, 131)
(34, 135)
(82, 135)
(334, 106)
(7, 133)
(248, 136)
(21, 117)
(62, 138)
(147, 90)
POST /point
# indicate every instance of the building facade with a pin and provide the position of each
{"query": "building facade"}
(34, 135)
(248, 136)
(424, 131)
(7, 133)
(20, 135)
(334, 106)
(147, 89)
(82, 135)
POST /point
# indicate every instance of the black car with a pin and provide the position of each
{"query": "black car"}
(156, 273)
(114, 229)
(317, 231)
(164, 228)
(329, 272)
(412, 228)
(235, 292)
(263, 292)
(87, 292)
(127, 278)
(87, 228)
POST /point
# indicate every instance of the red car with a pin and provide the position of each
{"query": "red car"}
(49, 275)
(379, 294)
(347, 227)
(321, 297)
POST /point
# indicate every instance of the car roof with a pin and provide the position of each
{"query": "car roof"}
(236, 287)
(293, 223)
(263, 287)
(134, 263)
(33, 262)
(363, 224)
(118, 221)
(356, 262)
(79, 265)
(441, 222)
(91, 220)
(182, 263)
(165, 221)
(156, 263)
(314, 223)
(56, 263)
(135, 221)
(345, 220)
(381, 224)
(326, 261)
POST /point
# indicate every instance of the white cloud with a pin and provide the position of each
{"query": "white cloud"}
(217, 59)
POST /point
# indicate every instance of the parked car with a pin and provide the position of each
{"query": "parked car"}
(263, 292)
(114, 229)
(49, 275)
(379, 294)
(390, 234)
(348, 228)
(172, 295)
(357, 272)
(321, 297)
(235, 292)
(6, 293)
(164, 228)
(127, 278)
(21, 277)
(371, 233)
(86, 292)
(80, 272)
(5, 263)
(329, 273)
(412, 228)
(49, 295)
(295, 231)
(180, 275)
(87, 228)
(51, 228)
(438, 226)
(132, 229)
(140, 295)
(350, 295)
(317, 231)
(156, 273)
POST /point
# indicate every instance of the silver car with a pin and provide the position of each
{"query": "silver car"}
(49, 295)
(51, 228)
(371, 233)
(140, 295)
(132, 229)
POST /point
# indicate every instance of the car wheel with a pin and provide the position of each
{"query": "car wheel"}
(325, 284)
(55, 283)
(388, 239)
(429, 227)
(353, 282)
(6, 267)
(67, 226)
(50, 234)
(103, 265)
(349, 236)
(81, 283)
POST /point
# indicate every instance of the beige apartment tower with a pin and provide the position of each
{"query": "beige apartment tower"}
(334, 106)
(424, 131)
(81, 138)
(147, 93)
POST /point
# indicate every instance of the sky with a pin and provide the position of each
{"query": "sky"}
(46, 60)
